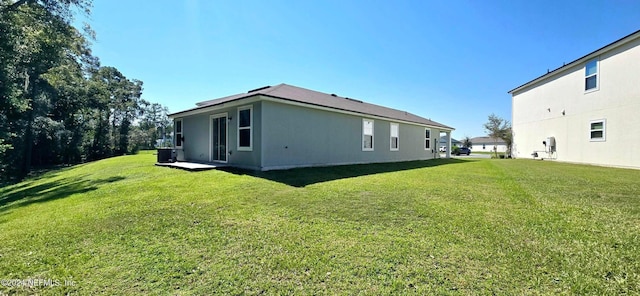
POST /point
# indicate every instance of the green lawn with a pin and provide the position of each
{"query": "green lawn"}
(124, 226)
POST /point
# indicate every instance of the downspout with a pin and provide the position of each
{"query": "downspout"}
(434, 148)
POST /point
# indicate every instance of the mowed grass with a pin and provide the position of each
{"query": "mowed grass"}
(123, 226)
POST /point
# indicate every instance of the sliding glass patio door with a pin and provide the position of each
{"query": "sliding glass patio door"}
(219, 137)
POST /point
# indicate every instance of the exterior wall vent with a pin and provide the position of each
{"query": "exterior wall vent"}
(350, 99)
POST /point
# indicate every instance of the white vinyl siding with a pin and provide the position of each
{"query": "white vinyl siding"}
(245, 128)
(597, 130)
(394, 138)
(367, 134)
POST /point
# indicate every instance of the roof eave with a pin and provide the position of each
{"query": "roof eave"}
(622, 41)
(203, 109)
(173, 115)
(438, 125)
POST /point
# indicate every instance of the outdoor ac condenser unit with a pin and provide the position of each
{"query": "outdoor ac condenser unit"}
(551, 144)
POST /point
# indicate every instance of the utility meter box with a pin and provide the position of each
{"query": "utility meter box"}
(551, 144)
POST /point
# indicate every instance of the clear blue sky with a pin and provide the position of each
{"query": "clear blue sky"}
(451, 61)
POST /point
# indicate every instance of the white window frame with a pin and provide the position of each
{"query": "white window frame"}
(597, 75)
(397, 126)
(372, 135)
(226, 139)
(427, 140)
(250, 128)
(177, 134)
(604, 130)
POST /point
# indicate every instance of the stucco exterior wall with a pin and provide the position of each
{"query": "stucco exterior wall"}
(538, 112)
(488, 147)
(298, 136)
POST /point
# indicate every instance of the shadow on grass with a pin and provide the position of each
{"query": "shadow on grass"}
(302, 177)
(21, 196)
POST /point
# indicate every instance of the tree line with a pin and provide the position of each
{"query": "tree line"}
(58, 105)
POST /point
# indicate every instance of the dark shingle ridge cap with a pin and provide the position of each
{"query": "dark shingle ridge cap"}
(605, 48)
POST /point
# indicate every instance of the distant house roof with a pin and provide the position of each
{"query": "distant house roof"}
(302, 95)
(487, 141)
(443, 140)
(585, 58)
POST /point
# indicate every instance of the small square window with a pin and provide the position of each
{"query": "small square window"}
(597, 130)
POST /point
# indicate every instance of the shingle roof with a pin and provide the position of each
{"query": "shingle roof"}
(302, 95)
(487, 140)
(444, 139)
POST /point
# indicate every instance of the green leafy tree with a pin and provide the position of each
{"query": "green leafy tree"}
(507, 136)
(466, 142)
(499, 128)
(118, 101)
(154, 123)
(57, 104)
(67, 106)
(62, 8)
(38, 37)
(455, 150)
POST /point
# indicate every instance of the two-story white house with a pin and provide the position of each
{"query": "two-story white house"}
(587, 111)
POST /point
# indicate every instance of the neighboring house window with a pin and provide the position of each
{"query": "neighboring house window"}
(245, 128)
(591, 75)
(427, 139)
(367, 135)
(597, 130)
(394, 136)
(178, 133)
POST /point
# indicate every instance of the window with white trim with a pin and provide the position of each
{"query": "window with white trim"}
(395, 139)
(591, 75)
(367, 134)
(177, 133)
(427, 139)
(597, 130)
(245, 128)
